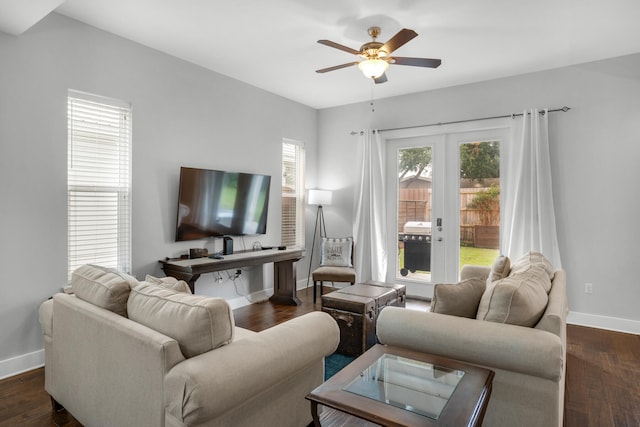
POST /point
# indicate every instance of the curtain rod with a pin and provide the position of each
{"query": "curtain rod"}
(512, 115)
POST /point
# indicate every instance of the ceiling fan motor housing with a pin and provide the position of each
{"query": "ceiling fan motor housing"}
(372, 50)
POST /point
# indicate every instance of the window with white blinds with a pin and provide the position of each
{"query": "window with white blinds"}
(99, 169)
(293, 193)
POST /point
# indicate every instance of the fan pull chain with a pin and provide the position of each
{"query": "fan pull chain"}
(373, 86)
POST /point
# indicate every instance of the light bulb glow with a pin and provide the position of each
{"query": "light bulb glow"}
(373, 68)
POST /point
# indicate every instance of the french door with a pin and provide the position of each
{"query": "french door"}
(432, 179)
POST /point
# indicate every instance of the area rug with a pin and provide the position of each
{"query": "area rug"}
(334, 362)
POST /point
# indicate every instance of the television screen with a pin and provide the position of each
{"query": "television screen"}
(218, 203)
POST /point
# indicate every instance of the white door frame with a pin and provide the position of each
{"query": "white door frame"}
(445, 140)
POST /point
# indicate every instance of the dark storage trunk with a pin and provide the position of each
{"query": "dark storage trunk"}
(356, 318)
(356, 308)
(401, 293)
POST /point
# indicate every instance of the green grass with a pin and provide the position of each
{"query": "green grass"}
(468, 255)
(477, 256)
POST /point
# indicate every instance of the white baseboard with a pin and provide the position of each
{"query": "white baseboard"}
(19, 364)
(262, 295)
(259, 296)
(604, 322)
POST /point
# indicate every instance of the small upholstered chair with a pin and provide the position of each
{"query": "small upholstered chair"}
(336, 263)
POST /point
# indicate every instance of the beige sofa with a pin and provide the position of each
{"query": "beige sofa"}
(529, 362)
(121, 353)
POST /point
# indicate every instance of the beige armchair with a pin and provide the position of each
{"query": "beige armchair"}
(122, 353)
(529, 362)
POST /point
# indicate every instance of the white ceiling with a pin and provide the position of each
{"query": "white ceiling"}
(272, 44)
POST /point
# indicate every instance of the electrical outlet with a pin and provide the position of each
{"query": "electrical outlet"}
(588, 288)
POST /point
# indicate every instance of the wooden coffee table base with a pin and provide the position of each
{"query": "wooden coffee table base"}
(465, 407)
(333, 417)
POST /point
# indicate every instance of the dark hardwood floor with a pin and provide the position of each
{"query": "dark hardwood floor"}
(603, 378)
(602, 383)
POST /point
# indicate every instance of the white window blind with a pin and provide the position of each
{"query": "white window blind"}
(293, 193)
(99, 203)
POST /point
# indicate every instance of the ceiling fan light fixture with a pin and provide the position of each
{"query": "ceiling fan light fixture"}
(375, 55)
(373, 68)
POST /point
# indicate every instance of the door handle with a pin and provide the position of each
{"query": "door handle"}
(439, 239)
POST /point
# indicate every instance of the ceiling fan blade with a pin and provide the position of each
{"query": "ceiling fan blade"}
(336, 67)
(381, 79)
(416, 62)
(339, 46)
(402, 37)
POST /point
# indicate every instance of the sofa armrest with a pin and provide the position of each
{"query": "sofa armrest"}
(477, 271)
(554, 319)
(45, 316)
(206, 386)
(494, 345)
(95, 354)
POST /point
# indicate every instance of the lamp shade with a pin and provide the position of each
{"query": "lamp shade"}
(320, 197)
(373, 68)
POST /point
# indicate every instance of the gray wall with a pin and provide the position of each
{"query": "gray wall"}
(182, 115)
(595, 150)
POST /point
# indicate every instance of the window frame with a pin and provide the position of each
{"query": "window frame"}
(98, 182)
(293, 152)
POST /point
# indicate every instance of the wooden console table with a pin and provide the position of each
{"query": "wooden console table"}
(284, 269)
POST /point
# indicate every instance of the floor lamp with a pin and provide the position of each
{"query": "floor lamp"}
(320, 198)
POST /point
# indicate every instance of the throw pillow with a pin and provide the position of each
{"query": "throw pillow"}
(518, 299)
(336, 252)
(103, 287)
(198, 323)
(169, 283)
(460, 299)
(500, 269)
(532, 258)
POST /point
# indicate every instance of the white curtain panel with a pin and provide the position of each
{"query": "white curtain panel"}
(529, 218)
(369, 227)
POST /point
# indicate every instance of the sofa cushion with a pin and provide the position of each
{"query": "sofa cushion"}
(336, 251)
(103, 287)
(532, 259)
(500, 269)
(198, 323)
(518, 299)
(460, 299)
(169, 283)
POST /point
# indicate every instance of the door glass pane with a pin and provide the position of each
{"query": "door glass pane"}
(414, 213)
(479, 202)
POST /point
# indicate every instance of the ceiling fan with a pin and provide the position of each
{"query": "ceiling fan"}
(376, 55)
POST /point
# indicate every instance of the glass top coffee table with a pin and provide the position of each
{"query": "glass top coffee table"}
(392, 386)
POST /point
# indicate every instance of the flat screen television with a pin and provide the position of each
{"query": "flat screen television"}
(218, 203)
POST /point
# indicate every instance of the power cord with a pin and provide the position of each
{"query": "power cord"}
(240, 287)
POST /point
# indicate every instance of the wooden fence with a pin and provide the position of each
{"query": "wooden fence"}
(414, 204)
